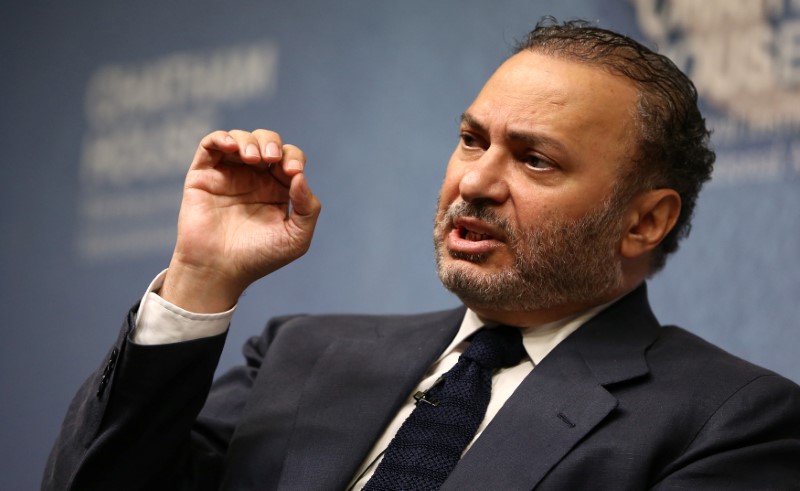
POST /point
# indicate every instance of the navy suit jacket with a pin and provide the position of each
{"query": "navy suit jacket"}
(622, 403)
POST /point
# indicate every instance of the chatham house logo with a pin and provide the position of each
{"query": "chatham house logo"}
(744, 58)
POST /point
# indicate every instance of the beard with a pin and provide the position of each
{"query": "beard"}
(562, 261)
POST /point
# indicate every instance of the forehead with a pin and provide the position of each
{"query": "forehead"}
(533, 91)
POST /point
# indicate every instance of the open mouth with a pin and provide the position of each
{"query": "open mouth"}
(475, 230)
(472, 235)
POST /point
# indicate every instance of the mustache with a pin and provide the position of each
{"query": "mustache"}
(481, 211)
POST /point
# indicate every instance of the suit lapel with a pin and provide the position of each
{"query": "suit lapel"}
(352, 393)
(561, 401)
(538, 425)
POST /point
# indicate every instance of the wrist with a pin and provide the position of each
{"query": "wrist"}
(198, 289)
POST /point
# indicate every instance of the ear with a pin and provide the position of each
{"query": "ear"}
(651, 215)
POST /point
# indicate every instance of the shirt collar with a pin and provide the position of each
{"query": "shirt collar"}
(538, 340)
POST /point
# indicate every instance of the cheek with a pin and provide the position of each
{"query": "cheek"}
(531, 208)
(570, 199)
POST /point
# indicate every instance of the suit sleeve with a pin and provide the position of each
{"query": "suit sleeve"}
(751, 442)
(148, 418)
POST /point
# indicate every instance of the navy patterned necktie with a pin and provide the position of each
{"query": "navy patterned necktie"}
(431, 440)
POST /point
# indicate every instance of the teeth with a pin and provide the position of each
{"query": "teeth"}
(471, 235)
(474, 236)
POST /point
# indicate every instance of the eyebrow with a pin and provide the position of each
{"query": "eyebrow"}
(526, 137)
(469, 120)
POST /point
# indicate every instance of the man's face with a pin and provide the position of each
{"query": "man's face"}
(528, 218)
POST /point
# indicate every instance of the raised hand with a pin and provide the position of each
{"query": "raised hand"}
(247, 210)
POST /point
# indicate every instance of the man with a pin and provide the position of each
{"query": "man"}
(575, 176)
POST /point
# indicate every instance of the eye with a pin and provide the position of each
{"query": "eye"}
(468, 140)
(537, 163)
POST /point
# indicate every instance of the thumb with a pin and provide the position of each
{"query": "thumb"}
(305, 206)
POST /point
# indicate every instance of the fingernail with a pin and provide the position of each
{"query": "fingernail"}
(273, 150)
(251, 150)
(294, 164)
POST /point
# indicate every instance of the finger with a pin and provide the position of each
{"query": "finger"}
(305, 205)
(294, 160)
(249, 151)
(212, 148)
(269, 144)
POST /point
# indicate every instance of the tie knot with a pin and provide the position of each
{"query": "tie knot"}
(496, 347)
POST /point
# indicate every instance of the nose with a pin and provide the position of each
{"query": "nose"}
(485, 178)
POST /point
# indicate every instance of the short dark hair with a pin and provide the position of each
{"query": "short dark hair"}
(673, 148)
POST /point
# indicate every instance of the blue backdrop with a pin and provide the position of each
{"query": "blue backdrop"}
(104, 103)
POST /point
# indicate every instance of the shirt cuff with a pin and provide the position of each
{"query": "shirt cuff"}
(161, 322)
